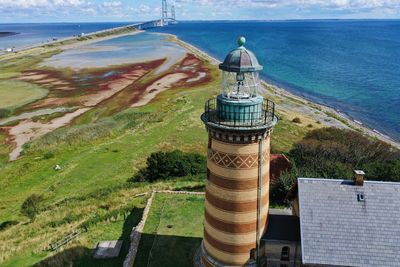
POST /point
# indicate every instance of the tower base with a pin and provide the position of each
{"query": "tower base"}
(203, 259)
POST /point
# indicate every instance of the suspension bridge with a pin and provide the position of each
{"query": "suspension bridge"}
(168, 16)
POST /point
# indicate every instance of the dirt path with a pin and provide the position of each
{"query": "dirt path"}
(159, 86)
(27, 130)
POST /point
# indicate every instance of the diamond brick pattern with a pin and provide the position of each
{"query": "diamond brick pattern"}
(233, 161)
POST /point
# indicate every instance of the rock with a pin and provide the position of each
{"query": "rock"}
(108, 249)
(57, 168)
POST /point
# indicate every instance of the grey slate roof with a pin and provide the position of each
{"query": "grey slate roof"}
(282, 228)
(337, 229)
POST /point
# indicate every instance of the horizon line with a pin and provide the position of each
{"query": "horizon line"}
(217, 20)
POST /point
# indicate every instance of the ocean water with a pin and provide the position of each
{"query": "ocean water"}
(352, 66)
(37, 33)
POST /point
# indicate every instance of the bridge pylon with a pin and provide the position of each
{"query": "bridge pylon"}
(173, 13)
(164, 17)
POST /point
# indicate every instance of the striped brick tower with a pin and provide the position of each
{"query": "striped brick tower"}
(239, 122)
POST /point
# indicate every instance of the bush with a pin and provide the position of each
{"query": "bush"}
(66, 220)
(48, 155)
(7, 224)
(335, 153)
(4, 113)
(164, 165)
(281, 186)
(30, 207)
(383, 171)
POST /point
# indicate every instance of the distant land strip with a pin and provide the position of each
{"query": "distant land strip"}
(5, 34)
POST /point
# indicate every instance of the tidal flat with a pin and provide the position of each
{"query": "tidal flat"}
(90, 76)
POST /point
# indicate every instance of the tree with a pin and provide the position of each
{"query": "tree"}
(335, 153)
(281, 186)
(164, 165)
(30, 207)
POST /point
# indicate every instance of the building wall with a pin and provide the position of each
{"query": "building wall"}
(273, 251)
(230, 227)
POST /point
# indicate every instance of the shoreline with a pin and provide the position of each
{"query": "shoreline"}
(310, 107)
(344, 119)
(85, 39)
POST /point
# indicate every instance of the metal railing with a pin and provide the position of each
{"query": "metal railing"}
(239, 119)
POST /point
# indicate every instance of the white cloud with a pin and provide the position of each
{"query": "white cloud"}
(196, 9)
(113, 4)
(334, 4)
(23, 3)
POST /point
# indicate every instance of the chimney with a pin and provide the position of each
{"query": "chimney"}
(359, 177)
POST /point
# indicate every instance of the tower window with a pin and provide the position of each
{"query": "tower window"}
(285, 254)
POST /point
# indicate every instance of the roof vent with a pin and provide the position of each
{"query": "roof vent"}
(359, 177)
(361, 197)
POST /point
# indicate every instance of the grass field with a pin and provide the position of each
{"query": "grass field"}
(173, 231)
(14, 94)
(96, 157)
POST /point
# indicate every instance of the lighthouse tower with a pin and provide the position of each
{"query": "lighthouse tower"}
(239, 122)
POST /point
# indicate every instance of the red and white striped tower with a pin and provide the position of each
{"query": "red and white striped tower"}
(239, 123)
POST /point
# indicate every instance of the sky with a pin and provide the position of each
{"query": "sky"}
(12, 11)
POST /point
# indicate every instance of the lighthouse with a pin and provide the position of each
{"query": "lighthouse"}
(239, 122)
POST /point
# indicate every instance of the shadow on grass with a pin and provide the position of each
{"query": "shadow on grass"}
(83, 257)
(166, 251)
(194, 188)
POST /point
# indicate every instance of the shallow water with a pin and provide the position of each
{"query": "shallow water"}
(137, 48)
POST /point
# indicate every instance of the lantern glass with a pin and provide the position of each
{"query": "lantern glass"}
(242, 85)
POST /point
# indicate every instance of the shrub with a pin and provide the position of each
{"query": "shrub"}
(30, 207)
(296, 120)
(383, 171)
(66, 220)
(7, 224)
(164, 165)
(335, 153)
(4, 113)
(48, 155)
(281, 186)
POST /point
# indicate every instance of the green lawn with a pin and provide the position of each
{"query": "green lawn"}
(173, 231)
(15, 93)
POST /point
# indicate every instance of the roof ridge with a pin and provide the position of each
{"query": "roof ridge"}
(346, 180)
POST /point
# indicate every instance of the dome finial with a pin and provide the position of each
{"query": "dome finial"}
(241, 41)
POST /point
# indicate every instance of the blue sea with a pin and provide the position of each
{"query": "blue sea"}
(352, 66)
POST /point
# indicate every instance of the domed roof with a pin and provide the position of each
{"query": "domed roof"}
(241, 60)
